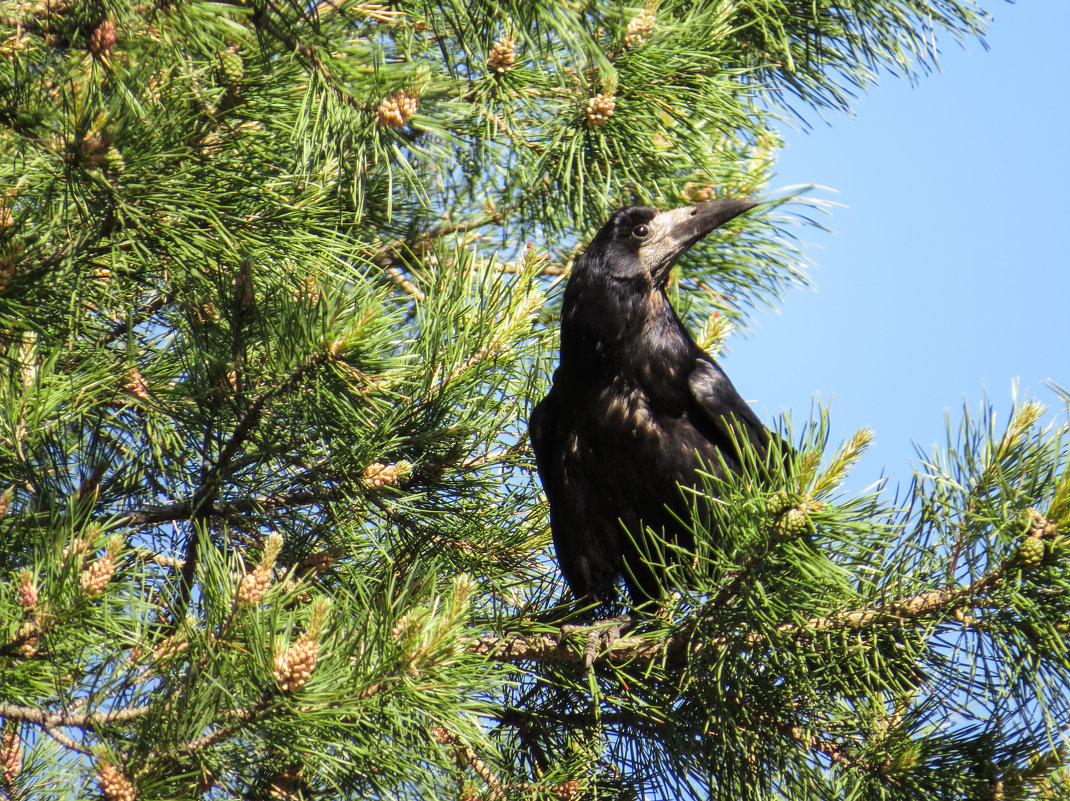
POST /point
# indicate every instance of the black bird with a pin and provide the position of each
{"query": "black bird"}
(636, 406)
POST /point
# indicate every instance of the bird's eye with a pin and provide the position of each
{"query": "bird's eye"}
(640, 232)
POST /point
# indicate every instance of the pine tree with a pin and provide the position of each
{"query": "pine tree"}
(278, 285)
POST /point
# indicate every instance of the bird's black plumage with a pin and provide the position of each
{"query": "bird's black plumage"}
(636, 406)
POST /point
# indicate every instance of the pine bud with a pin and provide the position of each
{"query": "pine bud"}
(231, 65)
(502, 57)
(10, 758)
(113, 784)
(27, 591)
(103, 39)
(599, 110)
(294, 666)
(640, 27)
(395, 110)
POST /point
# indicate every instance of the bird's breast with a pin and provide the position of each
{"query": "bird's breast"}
(625, 431)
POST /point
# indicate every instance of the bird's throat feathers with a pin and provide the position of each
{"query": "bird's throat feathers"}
(632, 331)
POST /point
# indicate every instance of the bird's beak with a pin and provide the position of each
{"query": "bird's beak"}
(677, 230)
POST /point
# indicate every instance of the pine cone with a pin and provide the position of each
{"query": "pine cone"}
(791, 523)
(502, 57)
(396, 109)
(135, 384)
(294, 666)
(1031, 552)
(232, 65)
(113, 161)
(113, 784)
(7, 268)
(599, 110)
(27, 591)
(640, 27)
(567, 790)
(97, 576)
(254, 586)
(10, 757)
(378, 475)
(29, 635)
(778, 502)
(103, 39)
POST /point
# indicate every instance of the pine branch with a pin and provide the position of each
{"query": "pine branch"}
(204, 499)
(467, 756)
(82, 720)
(951, 601)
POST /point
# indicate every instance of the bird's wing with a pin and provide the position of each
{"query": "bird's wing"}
(719, 401)
(542, 428)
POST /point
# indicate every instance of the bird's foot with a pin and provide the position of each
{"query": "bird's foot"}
(599, 636)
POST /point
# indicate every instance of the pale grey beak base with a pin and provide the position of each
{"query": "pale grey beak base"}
(676, 230)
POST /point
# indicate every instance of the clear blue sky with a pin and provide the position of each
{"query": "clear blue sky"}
(948, 274)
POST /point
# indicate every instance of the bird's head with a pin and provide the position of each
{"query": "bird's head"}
(617, 287)
(643, 243)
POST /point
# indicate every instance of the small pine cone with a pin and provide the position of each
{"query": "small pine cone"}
(441, 735)
(1031, 552)
(113, 161)
(5, 499)
(294, 666)
(99, 573)
(102, 274)
(135, 384)
(1040, 525)
(777, 503)
(567, 790)
(27, 591)
(378, 475)
(640, 27)
(254, 586)
(502, 56)
(10, 757)
(7, 270)
(80, 545)
(396, 109)
(791, 523)
(28, 637)
(103, 39)
(231, 65)
(113, 784)
(599, 110)
(308, 290)
(93, 149)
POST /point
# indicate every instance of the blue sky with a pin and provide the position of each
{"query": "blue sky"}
(948, 273)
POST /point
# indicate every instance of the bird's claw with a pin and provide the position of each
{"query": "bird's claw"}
(600, 636)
